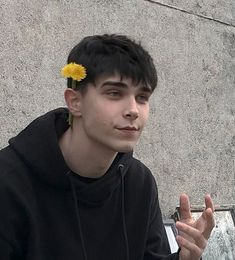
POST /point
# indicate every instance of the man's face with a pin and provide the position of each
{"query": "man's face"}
(113, 113)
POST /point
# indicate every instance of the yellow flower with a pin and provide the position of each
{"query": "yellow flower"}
(74, 71)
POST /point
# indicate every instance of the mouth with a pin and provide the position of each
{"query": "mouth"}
(128, 128)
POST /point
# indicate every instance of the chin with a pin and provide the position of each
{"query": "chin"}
(125, 149)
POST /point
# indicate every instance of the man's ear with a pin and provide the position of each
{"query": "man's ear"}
(73, 101)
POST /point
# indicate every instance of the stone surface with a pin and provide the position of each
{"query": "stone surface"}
(220, 10)
(189, 142)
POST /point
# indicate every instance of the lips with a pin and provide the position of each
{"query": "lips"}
(128, 128)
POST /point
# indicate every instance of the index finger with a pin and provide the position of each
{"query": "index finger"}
(184, 207)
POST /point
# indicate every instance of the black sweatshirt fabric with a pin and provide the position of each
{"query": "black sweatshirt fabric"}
(49, 213)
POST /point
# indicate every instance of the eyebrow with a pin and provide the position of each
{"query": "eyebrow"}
(124, 85)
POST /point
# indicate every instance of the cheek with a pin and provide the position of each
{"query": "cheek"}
(105, 113)
(145, 114)
(146, 117)
(97, 119)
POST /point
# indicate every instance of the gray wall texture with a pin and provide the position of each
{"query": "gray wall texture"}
(189, 142)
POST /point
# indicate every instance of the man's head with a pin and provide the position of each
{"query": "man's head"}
(110, 105)
(106, 55)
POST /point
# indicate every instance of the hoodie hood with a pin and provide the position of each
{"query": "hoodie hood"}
(38, 147)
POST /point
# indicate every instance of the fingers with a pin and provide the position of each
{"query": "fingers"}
(184, 207)
(208, 216)
(209, 202)
(193, 233)
(191, 239)
(195, 251)
(210, 222)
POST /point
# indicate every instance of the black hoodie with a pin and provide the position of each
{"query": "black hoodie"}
(49, 213)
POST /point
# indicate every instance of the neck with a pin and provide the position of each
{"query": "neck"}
(83, 158)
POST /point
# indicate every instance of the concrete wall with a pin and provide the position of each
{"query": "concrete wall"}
(189, 142)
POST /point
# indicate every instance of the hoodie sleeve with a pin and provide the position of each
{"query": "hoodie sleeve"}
(157, 245)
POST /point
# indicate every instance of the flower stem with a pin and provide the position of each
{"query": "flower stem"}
(70, 115)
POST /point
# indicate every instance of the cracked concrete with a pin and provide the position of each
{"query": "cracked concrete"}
(216, 10)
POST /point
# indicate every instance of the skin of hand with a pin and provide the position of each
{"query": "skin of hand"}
(194, 234)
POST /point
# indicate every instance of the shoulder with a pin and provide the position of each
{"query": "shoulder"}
(140, 176)
(9, 161)
(13, 173)
(140, 171)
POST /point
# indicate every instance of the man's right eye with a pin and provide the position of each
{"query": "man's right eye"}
(114, 93)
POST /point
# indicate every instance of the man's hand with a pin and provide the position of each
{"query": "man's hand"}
(193, 234)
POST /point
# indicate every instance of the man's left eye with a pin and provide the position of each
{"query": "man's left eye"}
(143, 98)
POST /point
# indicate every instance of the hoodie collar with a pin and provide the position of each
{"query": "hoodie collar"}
(97, 192)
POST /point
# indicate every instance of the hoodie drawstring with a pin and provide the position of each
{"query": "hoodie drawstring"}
(75, 198)
(121, 167)
(77, 215)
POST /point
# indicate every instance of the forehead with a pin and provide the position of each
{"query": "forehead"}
(119, 81)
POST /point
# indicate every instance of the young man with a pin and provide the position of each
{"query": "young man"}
(69, 186)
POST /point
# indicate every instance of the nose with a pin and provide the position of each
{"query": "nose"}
(131, 110)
